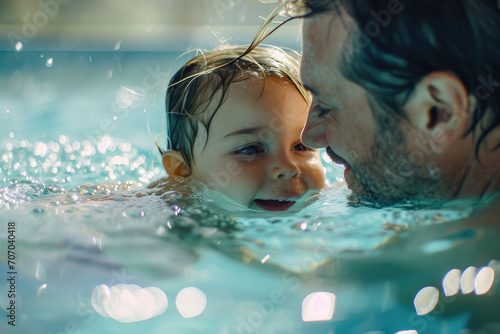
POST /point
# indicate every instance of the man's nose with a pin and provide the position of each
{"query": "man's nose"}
(284, 167)
(314, 133)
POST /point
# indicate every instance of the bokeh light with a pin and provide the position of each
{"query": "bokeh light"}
(318, 306)
(484, 280)
(451, 282)
(426, 300)
(467, 280)
(128, 303)
(191, 302)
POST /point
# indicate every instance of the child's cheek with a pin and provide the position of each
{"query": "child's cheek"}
(314, 174)
(250, 173)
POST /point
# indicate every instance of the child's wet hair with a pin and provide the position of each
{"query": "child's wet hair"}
(204, 82)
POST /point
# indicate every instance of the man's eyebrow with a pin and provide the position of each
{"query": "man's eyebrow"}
(245, 131)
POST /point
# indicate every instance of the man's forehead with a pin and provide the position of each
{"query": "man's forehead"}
(320, 6)
(323, 45)
(326, 32)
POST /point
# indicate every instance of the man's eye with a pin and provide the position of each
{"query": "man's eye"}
(320, 110)
(250, 150)
(301, 147)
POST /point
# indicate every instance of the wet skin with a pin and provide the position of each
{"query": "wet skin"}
(254, 153)
(388, 159)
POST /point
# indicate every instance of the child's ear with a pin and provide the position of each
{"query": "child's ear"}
(174, 164)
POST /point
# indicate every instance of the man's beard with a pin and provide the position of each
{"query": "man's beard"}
(391, 175)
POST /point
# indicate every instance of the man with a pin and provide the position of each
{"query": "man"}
(406, 95)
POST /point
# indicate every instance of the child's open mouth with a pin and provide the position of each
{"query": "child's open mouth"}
(274, 204)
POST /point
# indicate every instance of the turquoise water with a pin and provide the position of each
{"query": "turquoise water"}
(75, 160)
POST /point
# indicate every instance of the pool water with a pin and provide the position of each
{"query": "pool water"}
(97, 252)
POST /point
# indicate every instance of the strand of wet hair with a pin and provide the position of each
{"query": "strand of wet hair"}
(261, 35)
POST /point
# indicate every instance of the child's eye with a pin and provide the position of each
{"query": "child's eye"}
(250, 149)
(301, 147)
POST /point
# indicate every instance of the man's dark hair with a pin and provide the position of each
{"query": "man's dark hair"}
(397, 43)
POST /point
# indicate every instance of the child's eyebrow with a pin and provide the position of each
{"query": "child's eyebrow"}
(245, 131)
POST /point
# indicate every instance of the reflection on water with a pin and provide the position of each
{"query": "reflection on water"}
(128, 303)
(467, 280)
(191, 302)
(484, 280)
(451, 282)
(318, 306)
(426, 300)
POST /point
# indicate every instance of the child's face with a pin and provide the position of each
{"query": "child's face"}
(254, 154)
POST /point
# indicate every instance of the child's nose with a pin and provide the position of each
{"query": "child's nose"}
(284, 168)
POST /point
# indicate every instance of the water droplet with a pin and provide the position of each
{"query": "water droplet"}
(125, 97)
(38, 210)
(19, 46)
(75, 199)
(160, 231)
(55, 188)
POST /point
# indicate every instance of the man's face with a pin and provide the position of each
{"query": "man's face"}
(377, 148)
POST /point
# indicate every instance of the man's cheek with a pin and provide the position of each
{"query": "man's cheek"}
(338, 136)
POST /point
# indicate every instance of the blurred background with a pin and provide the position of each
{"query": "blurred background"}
(146, 25)
(94, 73)
(73, 67)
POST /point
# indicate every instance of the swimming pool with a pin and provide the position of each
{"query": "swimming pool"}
(74, 127)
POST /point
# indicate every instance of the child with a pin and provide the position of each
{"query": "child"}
(234, 123)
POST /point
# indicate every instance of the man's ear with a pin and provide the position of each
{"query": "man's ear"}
(439, 108)
(174, 164)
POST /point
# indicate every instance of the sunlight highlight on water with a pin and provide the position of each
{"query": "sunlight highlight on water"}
(426, 300)
(128, 303)
(191, 302)
(451, 282)
(318, 306)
